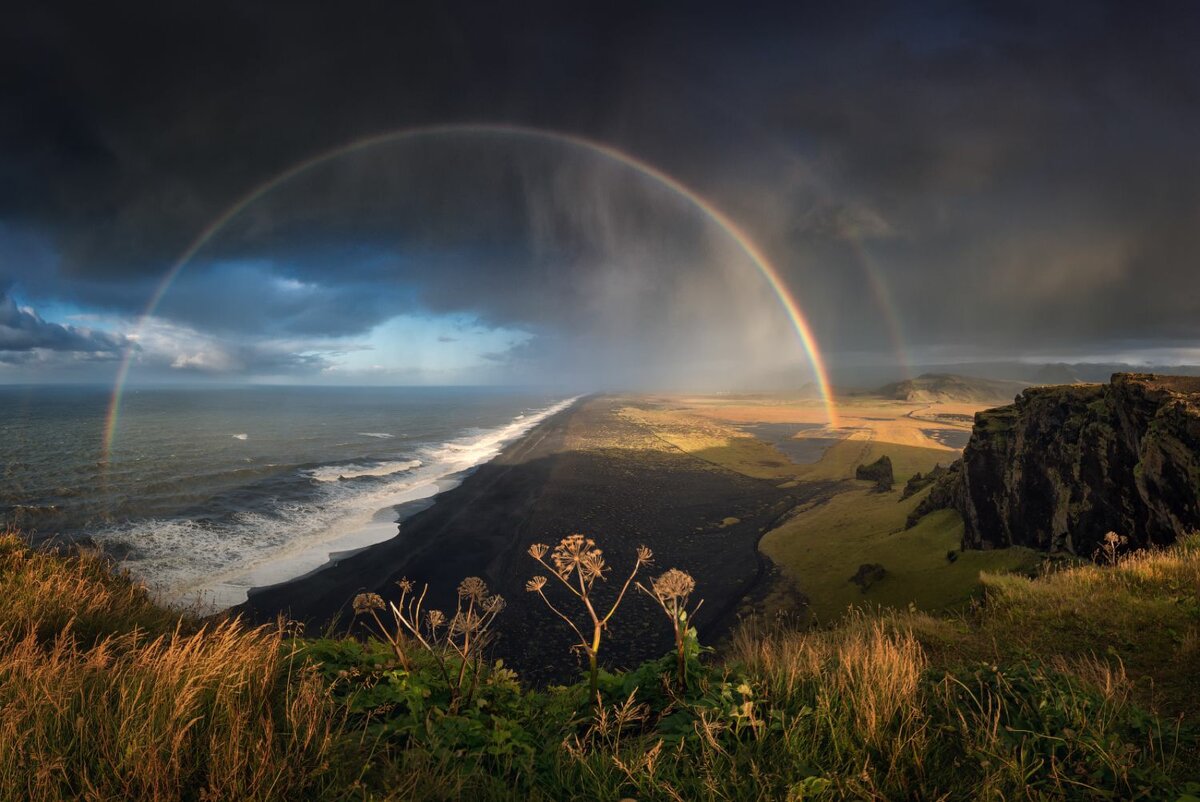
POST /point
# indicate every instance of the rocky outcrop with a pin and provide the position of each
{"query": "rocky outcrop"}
(945, 494)
(879, 472)
(918, 481)
(1065, 465)
(867, 575)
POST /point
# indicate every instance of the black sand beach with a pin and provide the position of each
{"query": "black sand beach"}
(588, 469)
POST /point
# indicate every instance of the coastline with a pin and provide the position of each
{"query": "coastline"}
(586, 469)
(323, 594)
(339, 526)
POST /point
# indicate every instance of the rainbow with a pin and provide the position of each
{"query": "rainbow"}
(715, 215)
(875, 275)
(879, 289)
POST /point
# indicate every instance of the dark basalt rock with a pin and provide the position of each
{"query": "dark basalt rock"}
(918, 482)
(868, 574)
(879, 472)
(1065, 465)
(944, 494)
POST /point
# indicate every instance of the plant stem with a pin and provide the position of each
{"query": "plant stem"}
(682, 661)
(593, 653)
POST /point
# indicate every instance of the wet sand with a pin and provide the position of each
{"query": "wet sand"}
(587, 469)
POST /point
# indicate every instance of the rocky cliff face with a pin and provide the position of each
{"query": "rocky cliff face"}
(1064, 465)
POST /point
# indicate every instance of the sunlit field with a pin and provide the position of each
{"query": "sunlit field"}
(821, 546)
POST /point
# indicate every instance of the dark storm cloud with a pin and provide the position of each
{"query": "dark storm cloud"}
(22, 330)
(1004, 177)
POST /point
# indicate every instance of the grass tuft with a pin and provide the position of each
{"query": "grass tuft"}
(105, 696)
(1067, 686)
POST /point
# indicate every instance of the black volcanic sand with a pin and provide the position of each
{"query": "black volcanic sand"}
(590, 470)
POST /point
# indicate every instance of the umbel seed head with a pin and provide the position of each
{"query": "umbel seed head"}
(578, 552)
(366, 602)
(674, 585)
(472, 588)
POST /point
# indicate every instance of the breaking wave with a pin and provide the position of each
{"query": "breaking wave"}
(335, 473)
(213, 561)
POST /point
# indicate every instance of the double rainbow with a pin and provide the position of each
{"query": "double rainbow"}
(715, 215)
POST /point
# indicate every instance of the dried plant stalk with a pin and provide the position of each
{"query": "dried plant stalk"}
(672, 590)
(459, 639)
(577, 564)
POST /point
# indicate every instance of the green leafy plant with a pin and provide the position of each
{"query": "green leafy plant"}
(456, 643)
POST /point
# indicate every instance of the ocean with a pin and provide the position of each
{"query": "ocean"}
(208, 492)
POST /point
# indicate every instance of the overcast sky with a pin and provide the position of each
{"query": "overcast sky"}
(935, 182)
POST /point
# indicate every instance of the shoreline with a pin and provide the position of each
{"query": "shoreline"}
(371, 517)
(322, 594)
(588, 469)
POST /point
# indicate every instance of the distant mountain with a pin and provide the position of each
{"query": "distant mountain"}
(1059, 373)
(864, 378)
(931, 387)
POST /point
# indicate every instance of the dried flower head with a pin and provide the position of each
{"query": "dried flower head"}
(538, 550)
(472, 588)
(465, 622)
(436, 618)
(491, 605)
(592, 565)
(644, 555)
(674, 585)
(366, 602)
(578, 552)
(406, 585)
(535, 584)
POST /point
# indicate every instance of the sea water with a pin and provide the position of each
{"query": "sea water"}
(208, 492)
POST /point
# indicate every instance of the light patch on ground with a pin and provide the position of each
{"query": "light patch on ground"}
(714, 442)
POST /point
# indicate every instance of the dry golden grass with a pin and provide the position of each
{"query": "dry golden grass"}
(1017, 699)
(45, 592)
(104, 697)
(869, 689)
(865, 677)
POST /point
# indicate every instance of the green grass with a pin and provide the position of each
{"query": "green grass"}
(821, 548)
(840, 460)
(1062, 687)
(748, 456)
(1144, 611)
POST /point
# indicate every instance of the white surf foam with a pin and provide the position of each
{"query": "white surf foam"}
(213, 565)
(380, 435)
(240, 436)
(334, 473)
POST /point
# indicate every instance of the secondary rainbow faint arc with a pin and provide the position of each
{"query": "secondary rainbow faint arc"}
(735, 232)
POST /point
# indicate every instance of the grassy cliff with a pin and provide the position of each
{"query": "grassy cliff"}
(1076, 685)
